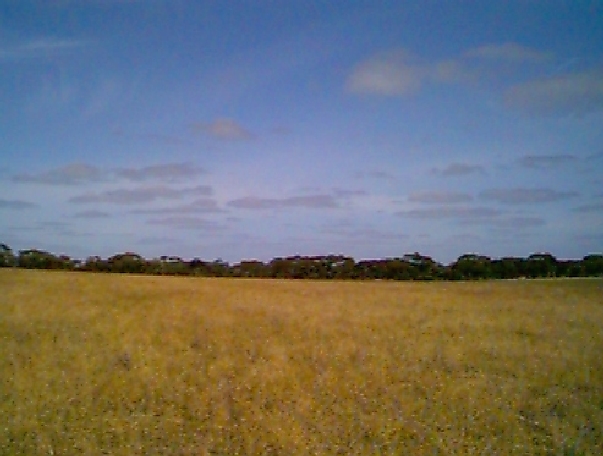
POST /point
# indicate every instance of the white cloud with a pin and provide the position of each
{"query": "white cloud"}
(347, 230)
(398, 73)
(450, 71)
(596, 207)
(141, 195)
(224, 129)
(16, 204)
(521, 222)
(170, 172)
(73, 174)
(526, 195)
(158, 240)
(38, 48)
(91, 214)
(309, 201)
(440, 197)
(345, 193)
(374, 174)
(203, 205)
(168, 140)
(189, 223)
(459, 169)
(392, 73)
(373, 203)
(444, 212)
(546, 161)
(509, 53)
(82, 173)
(574, 94)
(508, 222)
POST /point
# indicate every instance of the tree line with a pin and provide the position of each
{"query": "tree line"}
(414, 266)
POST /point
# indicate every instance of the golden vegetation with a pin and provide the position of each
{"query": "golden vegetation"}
(118, 364)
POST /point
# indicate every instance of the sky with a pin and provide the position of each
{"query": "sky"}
(252, 129)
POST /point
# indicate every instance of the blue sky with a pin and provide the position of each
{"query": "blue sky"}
(254, 129)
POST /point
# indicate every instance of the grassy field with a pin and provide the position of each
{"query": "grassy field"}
(118, 364)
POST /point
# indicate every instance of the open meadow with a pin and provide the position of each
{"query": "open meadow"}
(126, 365)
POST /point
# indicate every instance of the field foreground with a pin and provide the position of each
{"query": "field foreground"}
(118, 364)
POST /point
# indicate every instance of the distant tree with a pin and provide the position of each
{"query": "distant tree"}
(219, 268)
(199, 268)
(128, 262)
(309, 267)
(423, 267)
(39, 259)
(366, 269)
(541, 265)
(280, 268)
(65, 262)
(251, 268)
(592, 265)
(509, 268)
(95, 264)
(7, 257)
(472, 266)
(343, 268)
(569, 268)
(413, 266)
(168, 265)
(396, 269)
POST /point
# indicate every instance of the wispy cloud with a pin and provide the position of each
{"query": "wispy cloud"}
(200, 206)
(593, 207)
(459, 169)
(521, 222)
(439, 197)
(463, 237)
(343, 193)
(546, 161)
(399, 73)
(141, 195)
(168, 140)
(508, 53)
(92, 214)
(39, 47)
(448, 212)
(596, 238)
(345, 231)
(508, 222)
(53, 226)
(570, 94)
(158, 240)
(16, 204)
(73, 174)
(224, 129)
(374, 174)
(168, 172)
(526, 195)
(309, 201)
(392, 73)
(189, 223)
(98, 3)
(281, 130)
(82, 173)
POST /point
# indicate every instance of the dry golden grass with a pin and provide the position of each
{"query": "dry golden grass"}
(117, 364)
